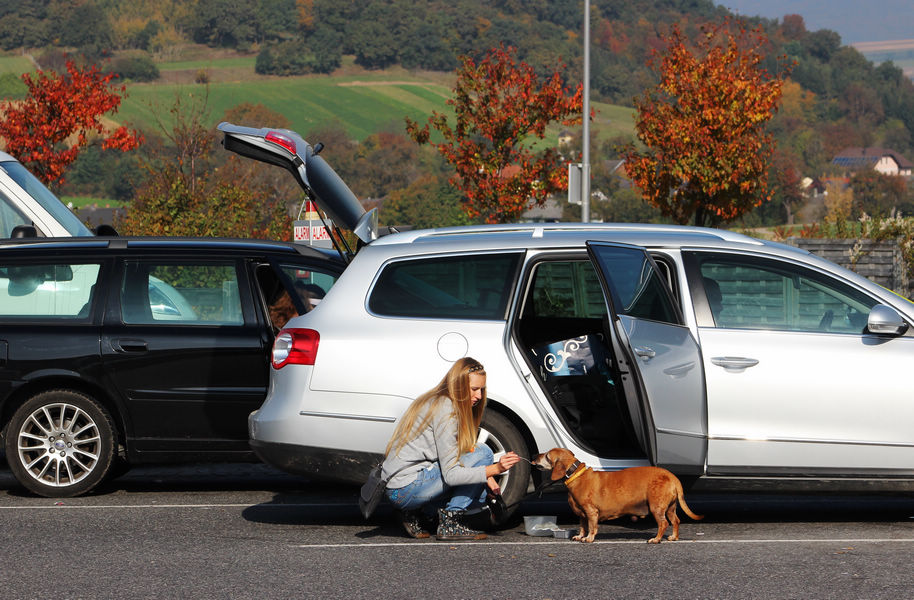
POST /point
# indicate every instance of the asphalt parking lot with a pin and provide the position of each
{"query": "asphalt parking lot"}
(247, 531)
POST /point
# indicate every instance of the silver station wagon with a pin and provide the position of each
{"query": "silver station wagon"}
(713, 354)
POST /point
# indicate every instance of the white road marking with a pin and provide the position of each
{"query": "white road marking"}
(435, 543)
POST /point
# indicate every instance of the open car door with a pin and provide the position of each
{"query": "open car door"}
(287, 149)
(658, 356)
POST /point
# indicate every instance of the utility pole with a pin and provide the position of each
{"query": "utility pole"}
(585, 137)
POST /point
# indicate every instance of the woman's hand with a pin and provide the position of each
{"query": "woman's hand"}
(505, 462)
(508, 460)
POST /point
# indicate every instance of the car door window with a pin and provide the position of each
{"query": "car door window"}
(191, 293)
(291, 289)
(637, 288)
(10, 216)
(47, 290)
(471, 286)
(753, 293)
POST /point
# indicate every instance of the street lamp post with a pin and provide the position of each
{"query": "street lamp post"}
(585, 137)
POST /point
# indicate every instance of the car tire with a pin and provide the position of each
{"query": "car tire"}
(60, 444)
(497, 432)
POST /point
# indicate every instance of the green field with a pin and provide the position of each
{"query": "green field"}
(82, 201)
(16, 64)
(222, 63)
(364, 105)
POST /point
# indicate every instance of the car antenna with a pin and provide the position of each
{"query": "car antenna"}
(317, 148)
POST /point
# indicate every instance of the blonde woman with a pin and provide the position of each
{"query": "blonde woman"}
(434, 455)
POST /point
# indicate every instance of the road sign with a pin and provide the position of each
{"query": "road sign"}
(309, 229)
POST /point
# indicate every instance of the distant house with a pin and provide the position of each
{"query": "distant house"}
(550, 212)
(565, 138)
(883, 160)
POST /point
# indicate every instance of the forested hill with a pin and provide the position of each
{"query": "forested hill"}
(836, 99)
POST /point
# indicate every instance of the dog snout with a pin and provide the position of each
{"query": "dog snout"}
(541, 462)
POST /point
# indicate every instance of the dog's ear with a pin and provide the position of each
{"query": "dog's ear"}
(558, 464)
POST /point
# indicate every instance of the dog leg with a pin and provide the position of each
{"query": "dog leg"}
(582, 531)
(660, 517)
(593, 525)
(673, 518)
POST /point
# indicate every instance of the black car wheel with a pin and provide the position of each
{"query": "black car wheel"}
(501, 436)
(60, 444)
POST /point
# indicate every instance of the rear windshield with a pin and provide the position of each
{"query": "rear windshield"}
(472, 286)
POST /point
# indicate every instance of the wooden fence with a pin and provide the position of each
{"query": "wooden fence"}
(880, 262)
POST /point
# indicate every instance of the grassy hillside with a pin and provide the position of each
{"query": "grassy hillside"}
(16, 64)
(362, 105)
(363, 102)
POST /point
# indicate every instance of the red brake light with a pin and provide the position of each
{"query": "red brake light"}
(295, 347)
(281, 140)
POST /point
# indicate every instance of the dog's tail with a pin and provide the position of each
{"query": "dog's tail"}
(682, 503)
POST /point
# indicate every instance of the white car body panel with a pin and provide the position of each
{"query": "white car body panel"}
(811, 407)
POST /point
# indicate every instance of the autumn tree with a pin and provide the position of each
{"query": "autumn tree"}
(50, 127)
(703, 125)
(500, 107)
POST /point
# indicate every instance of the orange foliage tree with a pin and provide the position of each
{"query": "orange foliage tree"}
(48, 129)
(499, 104)
(703, 125)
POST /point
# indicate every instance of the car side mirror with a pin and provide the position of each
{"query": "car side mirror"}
(885, 320)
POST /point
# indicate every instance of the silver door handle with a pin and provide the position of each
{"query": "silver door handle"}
(734, 362)
(645, 352)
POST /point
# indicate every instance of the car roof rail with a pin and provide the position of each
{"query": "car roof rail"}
(537, 230)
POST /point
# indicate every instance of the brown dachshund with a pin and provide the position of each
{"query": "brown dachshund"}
(600, 496)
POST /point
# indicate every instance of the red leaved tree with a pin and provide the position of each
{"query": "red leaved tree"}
(500, 106)
(704, 126)
(47, 130)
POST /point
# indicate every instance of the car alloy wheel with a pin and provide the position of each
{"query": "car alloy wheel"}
(60, 444)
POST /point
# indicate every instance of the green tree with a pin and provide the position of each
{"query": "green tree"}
(186, 193)
(427, 202)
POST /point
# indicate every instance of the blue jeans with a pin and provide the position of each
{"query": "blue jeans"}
(429, 485)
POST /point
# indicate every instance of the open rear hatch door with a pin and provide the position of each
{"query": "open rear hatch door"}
(287, 149)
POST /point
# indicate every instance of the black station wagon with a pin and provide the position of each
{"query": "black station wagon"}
(118, 351)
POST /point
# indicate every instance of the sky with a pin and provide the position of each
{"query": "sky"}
(854, 20)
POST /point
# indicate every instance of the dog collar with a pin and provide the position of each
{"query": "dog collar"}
(576, 471)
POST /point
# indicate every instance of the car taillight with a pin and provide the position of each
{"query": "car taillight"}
(281, 140)
(295, 347)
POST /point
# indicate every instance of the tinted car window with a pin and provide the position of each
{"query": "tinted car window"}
(310, 285)
(750, 293)
(10, 216)
(637, 287)
(206, 293)
(472, 286)
(565, 289)
(57, 290)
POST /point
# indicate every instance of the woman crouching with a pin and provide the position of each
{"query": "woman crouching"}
(434, 456)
